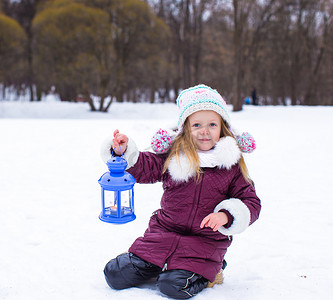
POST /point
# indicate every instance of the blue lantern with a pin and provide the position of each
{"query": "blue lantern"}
(117, 193)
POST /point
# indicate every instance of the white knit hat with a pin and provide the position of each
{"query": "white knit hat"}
(191, 100)
(200, 97)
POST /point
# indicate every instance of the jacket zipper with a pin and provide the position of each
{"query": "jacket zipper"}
(197, 198)
(165, 267)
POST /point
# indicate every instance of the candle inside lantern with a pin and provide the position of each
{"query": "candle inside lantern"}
(125, 207)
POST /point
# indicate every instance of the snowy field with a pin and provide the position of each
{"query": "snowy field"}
(53, 246)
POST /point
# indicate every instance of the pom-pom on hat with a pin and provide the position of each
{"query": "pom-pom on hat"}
(161, 141)
(246, 142)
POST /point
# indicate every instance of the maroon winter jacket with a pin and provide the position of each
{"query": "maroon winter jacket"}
(174, 239)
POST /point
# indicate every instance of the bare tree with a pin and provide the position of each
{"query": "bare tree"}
(185, 19)
(250, 19)
(322, 18)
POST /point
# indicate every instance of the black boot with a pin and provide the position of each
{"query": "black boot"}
(128, 270)
(181, 284)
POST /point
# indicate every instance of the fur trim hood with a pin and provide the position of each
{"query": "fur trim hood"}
(225, 154)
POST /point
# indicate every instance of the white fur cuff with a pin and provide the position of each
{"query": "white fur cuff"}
(239, 211)
(131, 154)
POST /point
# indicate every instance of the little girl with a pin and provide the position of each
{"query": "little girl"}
(208, 197)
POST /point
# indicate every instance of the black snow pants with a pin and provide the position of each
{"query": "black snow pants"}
(128, 270)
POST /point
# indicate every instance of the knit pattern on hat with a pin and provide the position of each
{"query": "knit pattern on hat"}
(200, 97)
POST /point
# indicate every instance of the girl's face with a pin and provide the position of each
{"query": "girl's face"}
(205, 129)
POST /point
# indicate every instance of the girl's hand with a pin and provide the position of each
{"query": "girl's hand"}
(120, 140)
(214, 220)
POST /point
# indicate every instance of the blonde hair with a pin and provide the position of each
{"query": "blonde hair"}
(183, 143)
(241, 163)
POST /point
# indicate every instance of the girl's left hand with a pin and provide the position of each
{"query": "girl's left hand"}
(214, 220)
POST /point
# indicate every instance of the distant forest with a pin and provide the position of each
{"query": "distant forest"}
(135, 50)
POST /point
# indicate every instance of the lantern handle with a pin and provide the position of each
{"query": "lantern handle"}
(122, 154)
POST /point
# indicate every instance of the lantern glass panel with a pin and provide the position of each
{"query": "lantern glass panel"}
(111, 200)
(126, 202)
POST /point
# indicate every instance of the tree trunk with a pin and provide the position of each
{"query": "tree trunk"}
(109, 104)
(186, 47)
(152, 93)
(38, 93)
(31, 89)
(198, 39)
(102, 95)
(90, 102)
(310, 95)
(236, 97)
(237, 94)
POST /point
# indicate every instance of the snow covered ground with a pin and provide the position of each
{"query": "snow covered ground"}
(53, 246)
